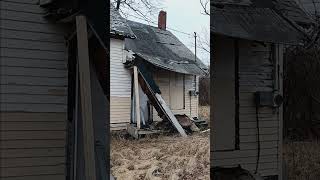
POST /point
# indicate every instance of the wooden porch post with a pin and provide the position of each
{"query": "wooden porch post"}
(136, 94)
(85, 93)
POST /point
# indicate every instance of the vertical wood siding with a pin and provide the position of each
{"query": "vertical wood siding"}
(33, 93)
(163, 81)
(256, 73)
(120, 86)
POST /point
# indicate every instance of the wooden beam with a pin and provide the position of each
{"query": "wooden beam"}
(85, 93)
(136, 94)
(160, 105)
(279, 63)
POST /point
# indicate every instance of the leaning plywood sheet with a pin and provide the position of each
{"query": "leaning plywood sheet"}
(156, 99)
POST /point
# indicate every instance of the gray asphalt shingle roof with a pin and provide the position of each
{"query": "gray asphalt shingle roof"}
(118, 24)
(163, 49)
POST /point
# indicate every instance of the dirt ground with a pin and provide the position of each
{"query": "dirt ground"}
(163, 157)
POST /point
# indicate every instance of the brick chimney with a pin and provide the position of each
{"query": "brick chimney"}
(162, 20)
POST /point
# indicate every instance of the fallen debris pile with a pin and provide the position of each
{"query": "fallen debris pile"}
(162, 157)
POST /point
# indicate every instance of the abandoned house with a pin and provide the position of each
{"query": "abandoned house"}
(52, 58)
(246, 68)
(168, 72)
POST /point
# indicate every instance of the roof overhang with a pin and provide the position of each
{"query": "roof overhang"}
(96, 12)
(257, 24)
(186, 67)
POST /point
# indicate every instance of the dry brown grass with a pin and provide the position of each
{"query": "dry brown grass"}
(204, 113)
(163, 157)
(302, 160)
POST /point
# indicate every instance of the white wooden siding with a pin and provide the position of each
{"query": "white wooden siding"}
(163, 81)
(120, 77)
(120, 86)
(255, 74)
(120, 109)
(33, 93)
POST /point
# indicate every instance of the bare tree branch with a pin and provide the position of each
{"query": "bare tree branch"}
(204, 40)
(144, 9)
(205, 6)
(315, 8)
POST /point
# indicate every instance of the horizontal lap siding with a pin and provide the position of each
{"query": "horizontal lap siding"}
(255, 74)
(32, 144)
(33, 93)
(120, 110)
(162, 79)
(120, 87)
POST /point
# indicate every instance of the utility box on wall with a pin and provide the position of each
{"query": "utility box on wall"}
(264, 98)
(268, 99)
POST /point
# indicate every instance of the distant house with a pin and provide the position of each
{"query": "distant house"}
(247, 73)
(173, 71)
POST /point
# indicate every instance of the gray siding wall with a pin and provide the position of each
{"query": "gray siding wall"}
(256, 73)
(33, 93)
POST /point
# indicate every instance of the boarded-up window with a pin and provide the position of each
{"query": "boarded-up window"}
(225, 97)
(176, 90)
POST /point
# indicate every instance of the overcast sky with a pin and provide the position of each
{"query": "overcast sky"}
(186, 16)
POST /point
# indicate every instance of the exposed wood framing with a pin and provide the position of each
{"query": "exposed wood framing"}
(136, 95)
(158, 102)
(85, 93)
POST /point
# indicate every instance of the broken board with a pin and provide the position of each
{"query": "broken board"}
(136, 133)
(171, 116)
(156, 100)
